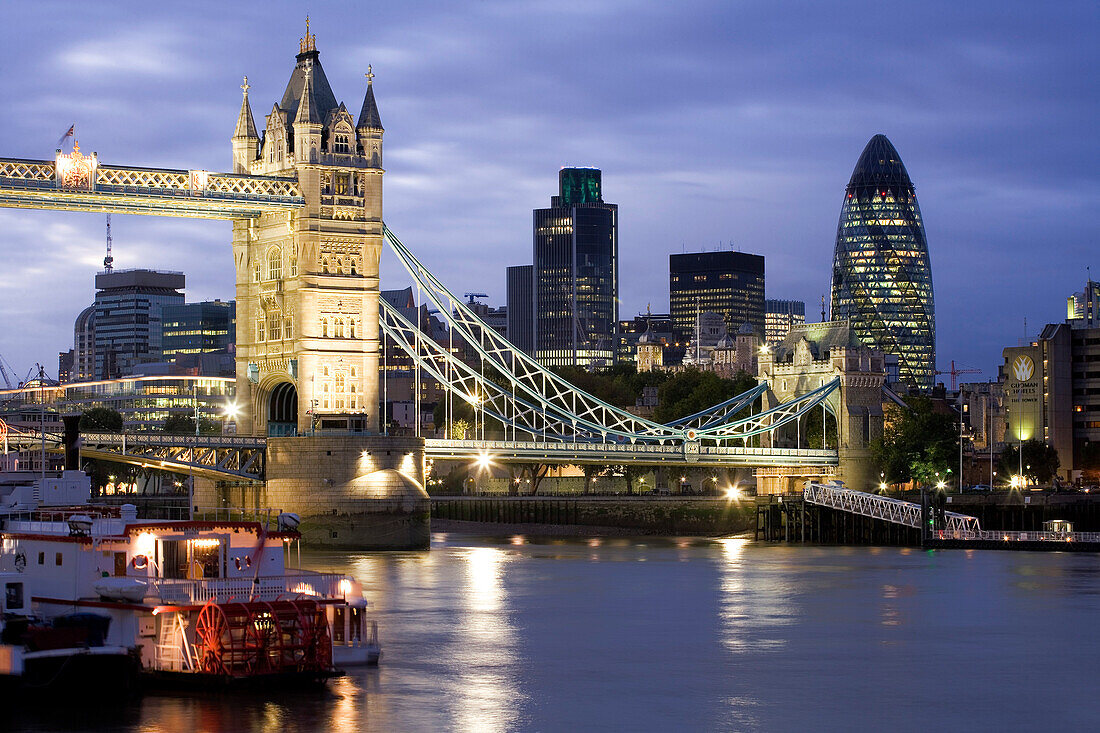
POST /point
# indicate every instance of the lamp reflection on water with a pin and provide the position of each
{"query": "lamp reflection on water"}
(486, 697)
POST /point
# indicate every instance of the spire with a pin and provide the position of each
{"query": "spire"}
(307, 106)
(368, 116)
(309, 43)
(246, 127)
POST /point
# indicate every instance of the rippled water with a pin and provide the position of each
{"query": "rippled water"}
(506, 633)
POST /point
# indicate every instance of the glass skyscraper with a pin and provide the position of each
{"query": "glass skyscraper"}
(729, 283)
(128, 306)
(576, 273)
(882, 278)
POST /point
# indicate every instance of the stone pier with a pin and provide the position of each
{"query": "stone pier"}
(351, 491)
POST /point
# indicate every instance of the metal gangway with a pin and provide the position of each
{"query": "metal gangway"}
(906, 513)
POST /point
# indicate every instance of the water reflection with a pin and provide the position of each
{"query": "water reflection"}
(751, 603)
(485, 696)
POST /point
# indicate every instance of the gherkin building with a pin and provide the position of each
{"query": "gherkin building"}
(882, 278)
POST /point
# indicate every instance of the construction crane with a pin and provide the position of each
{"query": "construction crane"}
(5, 372)
(955, 374)
(472, 297)
(108, 261)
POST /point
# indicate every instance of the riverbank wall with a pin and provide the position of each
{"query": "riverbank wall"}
(642, 515)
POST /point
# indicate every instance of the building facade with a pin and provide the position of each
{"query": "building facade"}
(729, 283)
(83, 368)
(882, 277)
(521, 308)
(576, 273)
(198, 328)
(128, 311)
(780, 316)
(144, 402)
(307, 282)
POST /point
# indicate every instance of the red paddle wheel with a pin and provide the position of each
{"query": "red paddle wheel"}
(258, 638)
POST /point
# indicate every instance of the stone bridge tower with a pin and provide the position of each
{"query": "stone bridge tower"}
(307, 282)
(811, 356)
(307, 325)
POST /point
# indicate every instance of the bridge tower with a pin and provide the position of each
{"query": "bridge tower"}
(812, 355)
(307, 281)
(307, 323)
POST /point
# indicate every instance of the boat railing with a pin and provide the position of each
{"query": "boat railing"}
(260, 588)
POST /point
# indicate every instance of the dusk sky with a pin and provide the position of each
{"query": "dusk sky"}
(716, 124)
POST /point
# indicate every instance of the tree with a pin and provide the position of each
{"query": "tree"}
(1040, 462)
(917, 442)
(185, 425)
(101, 420)
(811, 429)
(692, 390)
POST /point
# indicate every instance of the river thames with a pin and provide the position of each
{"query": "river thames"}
(520, 633)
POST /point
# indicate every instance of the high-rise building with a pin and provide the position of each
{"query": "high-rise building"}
(780, 317)
(1083, 308)
(84, 346)
(197, 328)
(521, 308)
(882, 278)
(576, 273)
(1051, 392)
(65, 366)
(729, 283)
(128, 306)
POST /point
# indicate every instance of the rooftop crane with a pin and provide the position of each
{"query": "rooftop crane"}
(955, 374)
(472, 297)
(109, 260)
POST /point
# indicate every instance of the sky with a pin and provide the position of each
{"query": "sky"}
(716, 124)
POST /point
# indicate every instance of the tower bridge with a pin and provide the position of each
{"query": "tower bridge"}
(305, 202)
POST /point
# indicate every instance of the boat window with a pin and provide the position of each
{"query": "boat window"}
(338, 618)
(205, 558)
(120, 563)
(41, 558)
(13, 596)
(57, 559)
(356, 625)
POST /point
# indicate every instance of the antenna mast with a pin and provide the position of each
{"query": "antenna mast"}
(108, 261)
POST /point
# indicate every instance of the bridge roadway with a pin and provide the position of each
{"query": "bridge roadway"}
(222, 457)
(636, 453)
(78, 182)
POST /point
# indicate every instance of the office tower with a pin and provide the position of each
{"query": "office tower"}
(197, 328)
(729, 283)
(882, 278)
(780, 317)
(65, 366)
(1083, 308)
(576, 273)
(128, 305)
(83, 369)
(521, 308)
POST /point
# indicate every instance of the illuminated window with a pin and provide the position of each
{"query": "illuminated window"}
(274, 264)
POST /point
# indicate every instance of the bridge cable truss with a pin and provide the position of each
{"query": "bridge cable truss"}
(555, 398)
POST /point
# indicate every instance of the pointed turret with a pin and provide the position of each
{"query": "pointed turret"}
(307, 105)
(307, 123)
(245, 140)
(369, 119)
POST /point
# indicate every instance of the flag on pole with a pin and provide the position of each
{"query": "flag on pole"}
(68, 133)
